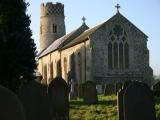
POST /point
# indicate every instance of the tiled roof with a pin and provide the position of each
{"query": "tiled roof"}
(63, 40)
(82, 37)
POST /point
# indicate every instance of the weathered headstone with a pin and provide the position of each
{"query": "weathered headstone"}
(10, 106)
(118, 86)
(59, 99)
(127, 83)
(80, 90)
(76, 89)
(35, 101)
(72, 94)
(120, 104)
(138, 102)
(109, 89)
(90, 93)
(99, 89)
(156, 89)
(120, 100)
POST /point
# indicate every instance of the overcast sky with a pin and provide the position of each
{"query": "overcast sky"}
(145, 14)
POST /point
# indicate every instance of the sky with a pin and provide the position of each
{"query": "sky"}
(145, 14)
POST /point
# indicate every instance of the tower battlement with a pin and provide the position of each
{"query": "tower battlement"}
(52, 24)
(52, 9)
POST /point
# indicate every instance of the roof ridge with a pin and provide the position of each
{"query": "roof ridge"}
(58, 42)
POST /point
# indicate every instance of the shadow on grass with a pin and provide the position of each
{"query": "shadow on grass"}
(100, 102)
(107, 102)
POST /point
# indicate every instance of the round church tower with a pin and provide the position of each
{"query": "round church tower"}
(52, 25)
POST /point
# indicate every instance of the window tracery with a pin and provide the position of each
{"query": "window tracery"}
(118, 48)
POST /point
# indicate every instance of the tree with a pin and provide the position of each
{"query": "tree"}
(17, 48)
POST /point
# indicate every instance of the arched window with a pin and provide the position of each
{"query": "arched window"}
(65, 68)
(51, 70)
(80, 66)
(115, 56)
(41, 29)
(126, 55)
(45, 74)
(121, 56)
(72, 66)
(58, 68)
(110, 57)
(54, 27)
(118, 49)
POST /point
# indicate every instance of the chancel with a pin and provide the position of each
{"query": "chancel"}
(114, 51)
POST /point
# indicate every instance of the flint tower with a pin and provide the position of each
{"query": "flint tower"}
(52, 25)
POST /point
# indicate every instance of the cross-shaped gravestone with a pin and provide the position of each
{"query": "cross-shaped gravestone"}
(117, 6)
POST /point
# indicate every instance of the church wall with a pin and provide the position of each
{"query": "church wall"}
(138, 55)
(44, 68)
(55, 57)
(77, 50)
(45, 64)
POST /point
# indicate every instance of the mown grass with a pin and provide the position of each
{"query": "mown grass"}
(105, 109)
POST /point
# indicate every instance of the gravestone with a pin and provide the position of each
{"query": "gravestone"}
(99, 89)
(79, 90)
(109, 89)
(72, 94)
(59, 99)
(10, 106)
(120, 104)
(120, 101)
(118, 86)
(138, 102)
(90, 93)
(35, 101)
(127, 83)
(76, 89)
(156, 89)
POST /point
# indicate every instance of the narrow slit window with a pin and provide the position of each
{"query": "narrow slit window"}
(54, 28)
(110, 58)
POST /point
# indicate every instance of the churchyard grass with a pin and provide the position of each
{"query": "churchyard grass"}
(106, 109)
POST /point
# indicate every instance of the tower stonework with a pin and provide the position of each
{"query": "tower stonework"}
(52, 25)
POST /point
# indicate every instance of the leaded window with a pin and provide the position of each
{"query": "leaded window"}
(118, 48)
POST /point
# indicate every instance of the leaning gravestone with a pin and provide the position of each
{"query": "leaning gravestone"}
(35, 101)
(89, 93)
(109, 89)
(138, 102)
(10, 106)
(59, 99)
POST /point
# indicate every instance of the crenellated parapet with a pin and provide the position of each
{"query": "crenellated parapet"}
(52, 9)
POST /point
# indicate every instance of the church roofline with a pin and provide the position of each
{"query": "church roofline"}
(118, 13)
(61, 41)
(82, 37)
(88, 32)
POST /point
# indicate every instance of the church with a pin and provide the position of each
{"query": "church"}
(113, 51)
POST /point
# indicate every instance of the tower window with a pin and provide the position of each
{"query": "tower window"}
(41, 29)
(54, 27)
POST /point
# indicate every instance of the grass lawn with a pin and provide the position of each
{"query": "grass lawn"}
(106, 109)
